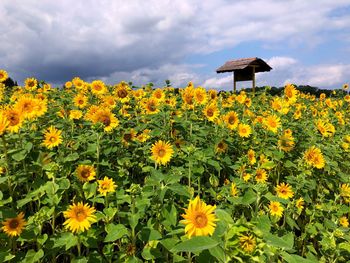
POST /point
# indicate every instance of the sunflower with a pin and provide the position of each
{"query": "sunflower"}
(290, 93)
(150, 106)
(188, 97)
(14, 226)
(78, 83)
(143, 136)
(284, 191)
(276, 209)
(68, 84)
(27, 105)
(199, 218)
(345, 86)
(128, 137)
(200, 96)
(85, 173)
(246, 176)
(52, 137)
(213, 94)
(244, 130)
(15, 119)
(98, 87)
(161, 152)
(3, 124)
(31, 83)
(325, 128)
(247, 243)
(251, 156)
(158, 94)
(122, 91)
(286, 141)
(211, 112)
(80, 100)
(231, 120)
(138, 94)
(3, 75)
(221, 147)
(75, 114)
(343, 221)
(109, 101)
(314, 157)
(106, 186)
(261, 176)
(106, 117)
(272, 123)
(79, 217)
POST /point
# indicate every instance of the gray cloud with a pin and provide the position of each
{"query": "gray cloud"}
(146, 40)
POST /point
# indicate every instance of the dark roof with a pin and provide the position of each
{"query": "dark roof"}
(232, 65)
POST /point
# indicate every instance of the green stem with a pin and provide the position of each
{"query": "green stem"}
(98, 155)
(189, 257)
(79, 246)
(9, 184)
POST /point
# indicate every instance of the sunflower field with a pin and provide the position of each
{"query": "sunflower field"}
(98, 173)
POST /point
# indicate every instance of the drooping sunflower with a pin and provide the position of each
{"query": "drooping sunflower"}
(3, 123)
(284, 191)
(276, 209)
(14, 226)
(221, 147)
(261, 175)
(251, 156)
(314, 157)
(128, 136)
(3, 75)
(300, 204)
(325, 128)
(247, 243)
(162, 152)
(234, 191)
(231, 120)
(244, 130)
(211, 112)
(52, 137)
(106, 186)
(79, 217)
(286, 141)
(85, 173)
(199, 218)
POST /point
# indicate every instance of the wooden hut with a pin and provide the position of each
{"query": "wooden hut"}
(244, 69)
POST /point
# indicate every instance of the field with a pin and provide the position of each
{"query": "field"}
(99, 173)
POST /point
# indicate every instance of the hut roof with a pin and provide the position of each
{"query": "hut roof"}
(232, 65)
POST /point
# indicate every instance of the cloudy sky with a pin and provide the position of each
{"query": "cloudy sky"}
(305, 42)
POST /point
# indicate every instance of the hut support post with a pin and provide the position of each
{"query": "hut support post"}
(253, 77)
(234, 82)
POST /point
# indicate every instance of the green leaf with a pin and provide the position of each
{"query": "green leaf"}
(264, 224)
(71, 157)
(89, 189)
(148, 234)
(19, 156)
(80, 260)
(284, 242)
(249, 197)
(268, 165)
(195, 244)
(6, 256)
(67, 240)
(290, 258)
(33, 256)
(224, 216)
(115, 232)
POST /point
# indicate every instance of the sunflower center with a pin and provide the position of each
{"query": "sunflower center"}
(127, 137)
(80, 215)
(161, 153)
(210, 113)
(122, 93)
(80, 102)
(85, 173)
(52, 139)
(201, 220)
(14, 224)
(231, 120)
(106, 121)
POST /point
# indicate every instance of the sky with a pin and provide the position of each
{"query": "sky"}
(305, 42)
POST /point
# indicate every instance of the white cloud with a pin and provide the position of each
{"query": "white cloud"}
(57, 40)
